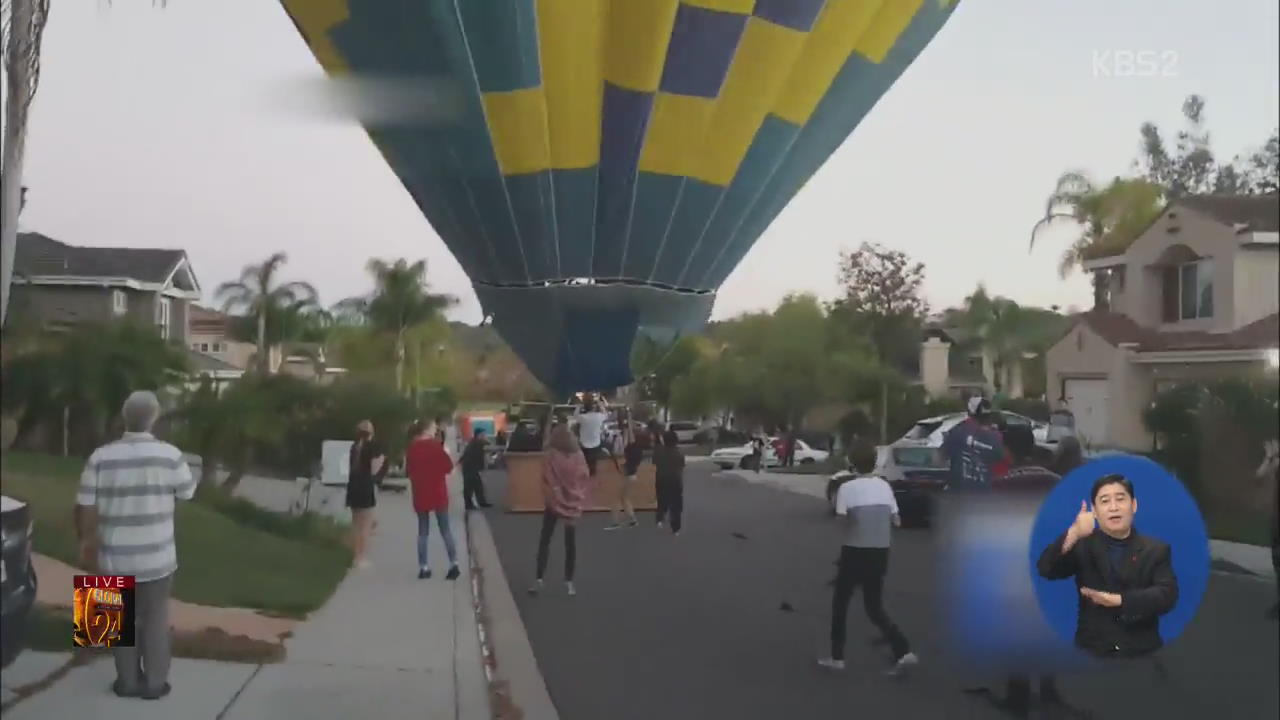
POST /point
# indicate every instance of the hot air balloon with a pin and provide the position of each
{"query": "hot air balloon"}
(611, 161)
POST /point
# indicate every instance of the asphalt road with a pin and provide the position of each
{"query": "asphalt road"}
(692, 628)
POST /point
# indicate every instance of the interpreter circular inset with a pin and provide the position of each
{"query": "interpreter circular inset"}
(1110, 591)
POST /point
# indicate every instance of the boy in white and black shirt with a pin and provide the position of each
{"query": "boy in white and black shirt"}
(868, 503)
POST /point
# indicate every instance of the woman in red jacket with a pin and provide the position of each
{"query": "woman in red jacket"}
(428, 467)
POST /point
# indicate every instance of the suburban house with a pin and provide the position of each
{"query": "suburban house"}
(1194, 297)
(951, 367)
(58, 286)
(226, 358)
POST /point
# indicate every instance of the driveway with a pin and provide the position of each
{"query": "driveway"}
(727, 620)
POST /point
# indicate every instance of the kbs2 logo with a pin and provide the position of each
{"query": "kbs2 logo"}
(1135, 63)
(103, 609)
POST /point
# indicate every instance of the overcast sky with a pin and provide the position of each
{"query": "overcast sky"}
(163, 128)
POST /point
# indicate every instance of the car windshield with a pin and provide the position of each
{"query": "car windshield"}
(918, 457)
(1012, 419)
(923, 429)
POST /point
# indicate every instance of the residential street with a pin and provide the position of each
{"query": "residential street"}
(694, 626)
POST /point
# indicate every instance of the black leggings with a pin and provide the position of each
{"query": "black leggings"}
(670, 495)
(544, 545)
(865, 567)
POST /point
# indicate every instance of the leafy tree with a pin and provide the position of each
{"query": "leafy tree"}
(1109, 218)
(664, 364)
(259, 294)
(1190, 166)
(87, 373)
(401, 299)
(881, 302)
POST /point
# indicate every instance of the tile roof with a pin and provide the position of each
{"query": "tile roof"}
(1261, 213)
(38, 255)
(1116, 329)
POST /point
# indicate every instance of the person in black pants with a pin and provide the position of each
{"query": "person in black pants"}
(473, 463)
(869, 504)
(668, 463)
(1269, 472)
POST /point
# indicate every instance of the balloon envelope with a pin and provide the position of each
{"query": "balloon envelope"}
(599, 167)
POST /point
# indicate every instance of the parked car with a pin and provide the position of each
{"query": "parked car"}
(931, 430)
(915, 472)
(685, 431)
(721, 436)
(740, 457)
(17, 576)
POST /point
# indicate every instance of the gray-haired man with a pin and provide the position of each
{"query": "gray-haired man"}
(124, 517)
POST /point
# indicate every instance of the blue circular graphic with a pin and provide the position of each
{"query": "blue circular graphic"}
(1166, 511)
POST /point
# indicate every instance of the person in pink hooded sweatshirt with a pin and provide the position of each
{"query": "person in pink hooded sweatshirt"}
(566, 483)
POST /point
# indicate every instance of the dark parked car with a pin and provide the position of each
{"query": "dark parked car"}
(17, 576)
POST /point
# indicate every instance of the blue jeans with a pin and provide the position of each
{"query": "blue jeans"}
(424, 530)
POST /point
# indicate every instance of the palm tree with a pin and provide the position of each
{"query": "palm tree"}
(1109, 218)
(401, 299)
(1001, 328)
(260, 295)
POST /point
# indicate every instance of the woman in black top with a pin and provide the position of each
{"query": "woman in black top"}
(632, 456)
(669, 476)
(368, 462)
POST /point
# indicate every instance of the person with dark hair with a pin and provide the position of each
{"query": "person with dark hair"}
(632, 456)
(1067, 456)
(871, 508)
(974, 448)
(473, 464)
(590, 425)
(668, 464)
(1125, 579)
(428, 467)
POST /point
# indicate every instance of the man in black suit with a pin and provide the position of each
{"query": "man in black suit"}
(1126, 579)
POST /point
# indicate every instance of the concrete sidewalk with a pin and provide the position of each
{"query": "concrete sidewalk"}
(386, 645)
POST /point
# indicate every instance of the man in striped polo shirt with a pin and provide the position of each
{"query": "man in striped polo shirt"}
(124, 517)
(868, 503)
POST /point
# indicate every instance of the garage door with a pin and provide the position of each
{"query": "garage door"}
(1087, 400)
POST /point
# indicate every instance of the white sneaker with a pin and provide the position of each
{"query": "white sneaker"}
(659, 524)
(905, 662)
(572, 590)
(537, 587)
(831, 664)
(614, 526)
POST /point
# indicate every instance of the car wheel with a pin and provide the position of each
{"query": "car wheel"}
(807, 461)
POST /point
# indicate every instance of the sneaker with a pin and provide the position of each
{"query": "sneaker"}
(614, 526)
(633, 523)
(537, 587)
(156, 694)
(831, 663)
(453, 573)
(424, 573)
(572, 590)
(676, 533)
(119, 689)
(904, 663)
(659, 524)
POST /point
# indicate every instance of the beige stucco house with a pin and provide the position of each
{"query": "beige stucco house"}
(949, 368)
(1195, 296)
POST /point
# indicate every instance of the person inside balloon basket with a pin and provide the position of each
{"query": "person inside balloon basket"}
(1126, 579)
(591, 434)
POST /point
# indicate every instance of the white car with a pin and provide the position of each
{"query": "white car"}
(930, 431)
(685, 431)
(740, 457)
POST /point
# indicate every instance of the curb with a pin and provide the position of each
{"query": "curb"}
(516, 685)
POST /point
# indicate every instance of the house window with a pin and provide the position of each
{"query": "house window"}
(162, 317)
(217, 347)
(1188, 291)
(119, 302)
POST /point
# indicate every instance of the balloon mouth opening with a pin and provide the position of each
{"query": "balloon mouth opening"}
(595, 282)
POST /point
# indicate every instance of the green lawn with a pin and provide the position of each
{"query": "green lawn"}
(227, 557)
